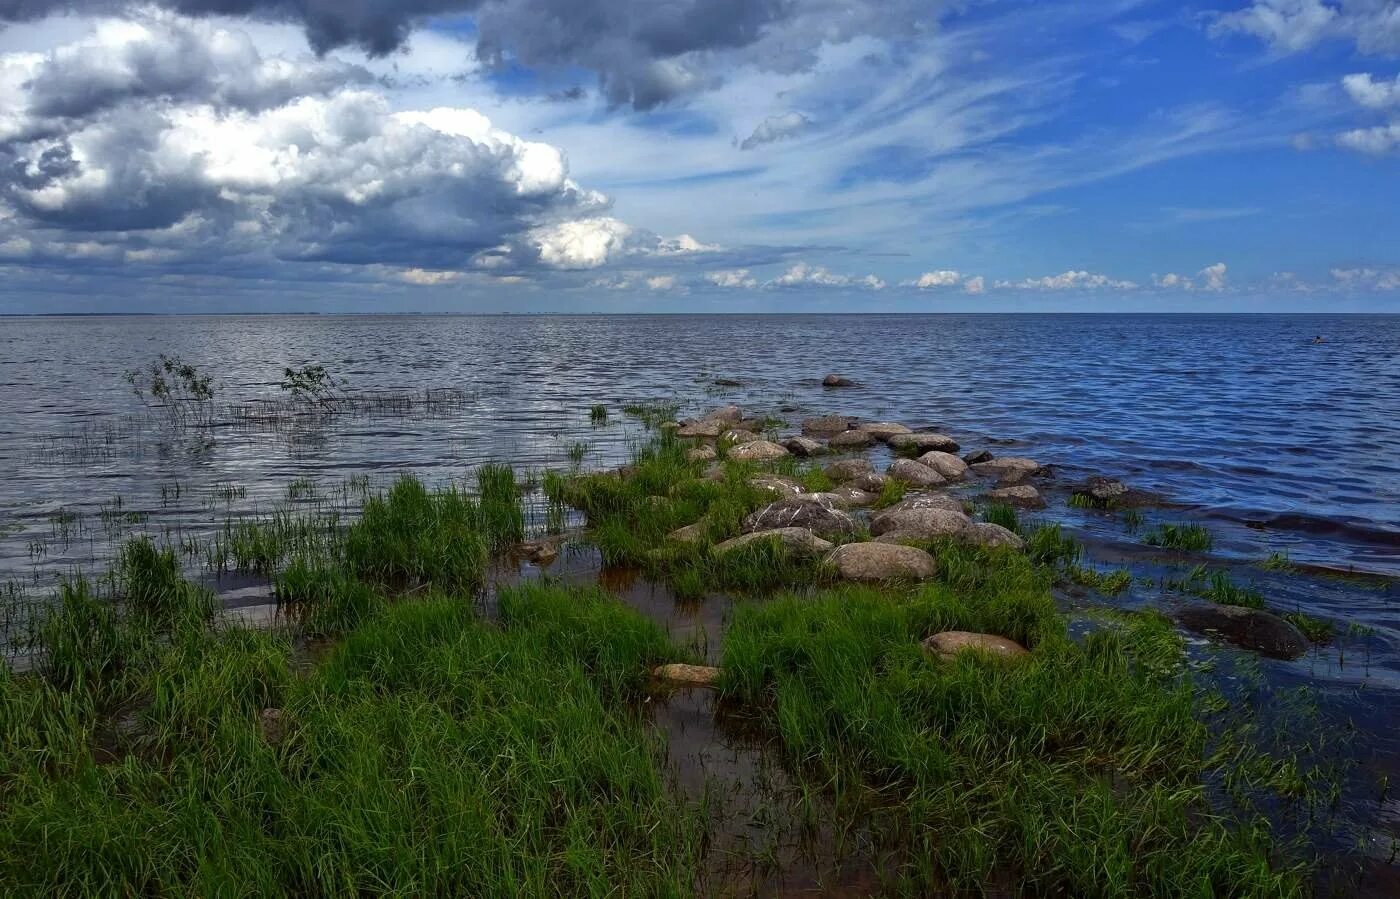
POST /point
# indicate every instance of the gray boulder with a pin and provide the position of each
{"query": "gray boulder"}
(834, 380)
(877, 562)
(948, 644)
(704, 429)
(701, 454)
(849, 440)
(798, 541)
(848, 469)
(870, 482)
(946, 464)
(1101, 491)
(736, 436)
(923, 523)
(779, 485)
(883, 430)
(849, 496)
(977, 456)
(757, 451)
(728, 415)
(1254, 629)
(1023, 496)
(826, 425)
(822, 518)
(984, 533)
(921, 442)
(804, 446)
(1008, 469)
(916, 473)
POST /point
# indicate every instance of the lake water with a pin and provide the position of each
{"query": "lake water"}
(1277, 443)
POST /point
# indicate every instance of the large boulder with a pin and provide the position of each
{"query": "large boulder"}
(948, 644)
(757, 451)
(1023, 496)
(691, 533)
(874, 562)
(848, 469)
(850, 496)
(921, 442)
(736, 437)
(804, 446)
(1007, 469)
(753, 423)
(681, 675)
(835, 380)
(1254, 629)
(916, 473)
(848, 440)
(946, 464)
(777, 484)
(826, 425)
(923, 523)
(701, 454)
(928, 501)
(869, 481)
(820, 517)
(1101, 491)
(729, 415)
(883, 430)
(976, 456)
(984, 533)
(704, 429)
(798, 541)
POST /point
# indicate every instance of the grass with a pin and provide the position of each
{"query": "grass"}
(1109, 583)
(1004, 515)
(598, 414)
(1185, 537)
(892, 492)
(1217, 586)
(1317, 630)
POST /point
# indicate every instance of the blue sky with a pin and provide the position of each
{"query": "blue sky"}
(706, 155)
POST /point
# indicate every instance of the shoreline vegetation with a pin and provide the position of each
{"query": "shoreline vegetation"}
(421, 719)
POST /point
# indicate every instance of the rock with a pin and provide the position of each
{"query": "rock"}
(701, 454)
(737, 437)
(851, 496)
(1251, 628)
(928, 501)
(847, 469)
(704, 429)
(946, 464)
(714, 473)
(804, 446)
(798, 541)
(725, 415)
(922, 442)
(916, 473)
(948, 644)
(853, 439)
(779, 484)
(274, 725)
(822, 518)
(541, 552)
(691, 533)
(870, 482)
(884, 430)
(751, 424)
(1023, 496)
(728, 382)
(924, 523)
(1101, 491)
(872, 562)
(1008, 469)
(977, 456)
(834, 380)
(826, 424)
(984, 533)
(682, 675)
(669, 426)
(757, 451)
(899, 537)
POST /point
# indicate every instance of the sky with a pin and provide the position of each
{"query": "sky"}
(699, 156)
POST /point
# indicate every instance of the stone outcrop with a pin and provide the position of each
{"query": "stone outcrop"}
(820, 517)
(826, 425)
(1255, 629)
(835, 380)
(883, 430)
(984, 533)
(777, 484)
(849, 440)
(1008, 469)
(922, 523)
(701, 454)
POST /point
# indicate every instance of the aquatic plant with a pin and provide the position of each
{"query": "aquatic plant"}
(1317, 630)
(312, 384)
(1109, 583)
(1003, 515)
(1185, 537)
(178, 388)
(598, 414)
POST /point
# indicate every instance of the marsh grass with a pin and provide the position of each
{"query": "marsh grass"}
(1217, 586)
(598, 414)
(1184, 537)
(1109, 583)
(1003, 515)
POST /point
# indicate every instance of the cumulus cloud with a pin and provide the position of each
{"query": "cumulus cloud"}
(1070, 280)
(803, 275)
(424, 278)
(1212, 277)
(159, 136)
(1289, 26)
(1366, 278)
(643, 53)
(775, 127)
(1378, 95)
(947, 278)
(1372, 93)
(732, 278)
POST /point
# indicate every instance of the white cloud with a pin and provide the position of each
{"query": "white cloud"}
(802, 274)
(975, 285)
(1289, 26)
(738, 278)
(662, 282)
(942, 278)
(776, 127)
(1212, 277)
(1070, 280)
(1377, 141)
(1366, 278)
(1371, 93)
(425, 278)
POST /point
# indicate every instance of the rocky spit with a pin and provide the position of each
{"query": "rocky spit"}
(941, 483)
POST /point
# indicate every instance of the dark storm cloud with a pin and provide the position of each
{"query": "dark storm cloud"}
(644, 52)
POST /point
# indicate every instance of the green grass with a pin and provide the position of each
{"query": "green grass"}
(1185, 537)
(431, 753)
(1049, 545)
(1109, 583)
(598, 414)
(891, 493)
(1317, 630)
(1004, 515)
(1078, 772)
(1217, 586)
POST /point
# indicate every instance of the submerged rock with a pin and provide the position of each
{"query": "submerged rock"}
(1254, 629)
(826, 424)
(848, 469)
(821, 517)
(924, 523)
(728, 382)
(782, 485)
(946, 464)
(835, 380)
(725, 414)
(977, 456)
(984, 533)
(853, 439)
(1101, 491)
(540, 552)
(1021, 495)
(923, 441)
(804, 446)
(683, 675)
(757, 451)
(701, 454)
(1009, 469)
(916, 473)
(873, 562)
(798, 541)
(884, 430)
(948, 644)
